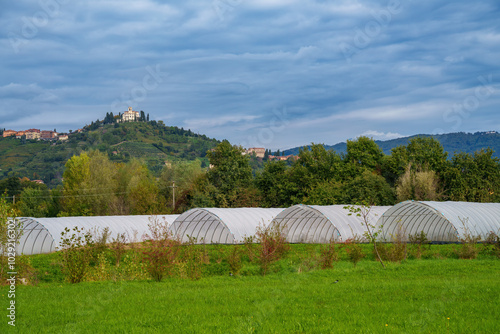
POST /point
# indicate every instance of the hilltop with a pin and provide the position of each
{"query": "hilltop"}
(452, 143)
(151, 141)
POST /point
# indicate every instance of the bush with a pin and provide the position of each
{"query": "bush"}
(194, 257)
(234, 260)
(493, 240)
(76, 253)
(160, 250)
(272, 245)
(354, 250)
(419, 240)
(468, 248)
(328, 255)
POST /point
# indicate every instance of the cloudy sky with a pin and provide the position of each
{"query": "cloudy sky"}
(269, 73)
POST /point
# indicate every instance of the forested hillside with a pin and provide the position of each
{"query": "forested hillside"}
(452, 143)
(152, 142)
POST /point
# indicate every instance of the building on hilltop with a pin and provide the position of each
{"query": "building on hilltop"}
(33, 134)
(259, 151)
(47, 135)
(8, 133)
(130, 115)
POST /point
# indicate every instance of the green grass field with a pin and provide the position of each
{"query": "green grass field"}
(416, 296)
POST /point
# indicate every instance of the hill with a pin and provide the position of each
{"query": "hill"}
(452, 143)
(151, 141)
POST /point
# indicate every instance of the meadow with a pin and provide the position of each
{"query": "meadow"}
(435, 294)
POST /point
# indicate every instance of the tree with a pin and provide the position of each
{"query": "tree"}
(12, 187)
(364, 152)
(473, 178)
(272, 184)
(34, 202)
(363, 211)
(142, 191)
(89, 185)
(230, 174)
(183, 173)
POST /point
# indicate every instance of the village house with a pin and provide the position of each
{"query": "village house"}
(33, 134)
(47, 135)
(259, 151)
(8, 133)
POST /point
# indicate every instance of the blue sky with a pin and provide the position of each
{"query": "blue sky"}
(268, 73)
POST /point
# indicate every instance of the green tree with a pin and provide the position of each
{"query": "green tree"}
(183, 173)
(142, 191)
(90, 185)
(473, 178)
(230, 174)
(34, 202)
(364, 152)
(272, 183)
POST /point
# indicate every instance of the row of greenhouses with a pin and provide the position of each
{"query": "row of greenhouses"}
(440, 221)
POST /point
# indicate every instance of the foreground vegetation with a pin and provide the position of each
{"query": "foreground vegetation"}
(416, 296)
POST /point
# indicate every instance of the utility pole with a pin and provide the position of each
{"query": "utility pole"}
(173, 194)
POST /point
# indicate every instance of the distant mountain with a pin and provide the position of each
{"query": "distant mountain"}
(452, 143)
(152, 142)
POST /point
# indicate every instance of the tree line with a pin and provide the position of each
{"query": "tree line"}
(420, 170)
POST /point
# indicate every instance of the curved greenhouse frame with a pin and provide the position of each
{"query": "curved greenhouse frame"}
(440, 221)
(221, 225)
(43, 235)
(319, 224)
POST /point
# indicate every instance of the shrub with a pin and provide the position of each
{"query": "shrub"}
(160, 250)
(419, 240)
(395, 251)
(234, 260)
(354, 250)
(328, 255)
(493, 240)
(76, 251)
(468, 248)
(194, 257)
(250, 248)
(118, 247)
(272, 245)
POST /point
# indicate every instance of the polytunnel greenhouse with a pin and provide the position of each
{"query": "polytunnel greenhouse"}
(440, 221)
(43, 235)
(221, 225)
(319, 224)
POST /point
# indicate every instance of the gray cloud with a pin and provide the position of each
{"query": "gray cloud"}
(228, 66)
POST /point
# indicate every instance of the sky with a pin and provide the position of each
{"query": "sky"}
(261, 73)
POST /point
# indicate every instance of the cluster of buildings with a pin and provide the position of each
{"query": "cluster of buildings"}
(260, 152)
(35, 134)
